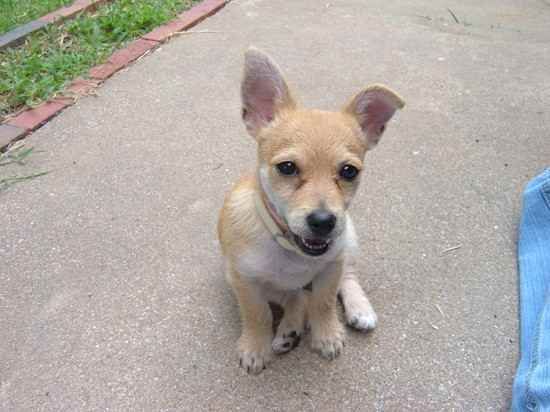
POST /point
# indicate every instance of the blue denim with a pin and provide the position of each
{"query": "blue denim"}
(531, 390)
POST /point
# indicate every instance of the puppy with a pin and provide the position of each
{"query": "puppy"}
(286, 226)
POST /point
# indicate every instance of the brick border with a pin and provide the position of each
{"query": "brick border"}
(18, 126)
(17, 36)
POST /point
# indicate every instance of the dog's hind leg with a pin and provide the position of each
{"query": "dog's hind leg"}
(359, 312)
(291, 328)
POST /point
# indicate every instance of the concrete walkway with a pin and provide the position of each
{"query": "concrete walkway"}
(111, 293)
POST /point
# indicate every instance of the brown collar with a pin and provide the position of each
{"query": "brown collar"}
(283, 227)
(275, 224)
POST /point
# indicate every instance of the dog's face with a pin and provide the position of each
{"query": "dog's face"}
(310, 164)
(310, 161)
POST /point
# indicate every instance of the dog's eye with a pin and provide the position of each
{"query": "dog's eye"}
(287, 168)
(349, 172)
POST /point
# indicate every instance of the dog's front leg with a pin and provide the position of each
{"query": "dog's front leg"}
(326, 329)
(254, 345)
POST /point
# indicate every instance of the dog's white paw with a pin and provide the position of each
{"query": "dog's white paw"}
(362, 320)
(286, 341)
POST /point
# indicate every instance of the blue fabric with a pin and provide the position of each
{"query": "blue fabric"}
(531, 390)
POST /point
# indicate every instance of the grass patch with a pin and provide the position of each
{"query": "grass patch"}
(49, 59)
(14, 13)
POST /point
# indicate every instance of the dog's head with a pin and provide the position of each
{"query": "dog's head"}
(310, 161)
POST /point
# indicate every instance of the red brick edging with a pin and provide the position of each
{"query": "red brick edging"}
(29, 120)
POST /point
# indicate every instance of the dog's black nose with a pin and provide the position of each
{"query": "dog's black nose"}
(321, 222)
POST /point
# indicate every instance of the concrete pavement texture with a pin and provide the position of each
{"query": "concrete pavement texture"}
(112, 294)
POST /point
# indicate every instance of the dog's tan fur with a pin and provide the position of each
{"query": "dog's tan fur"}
(258, 268)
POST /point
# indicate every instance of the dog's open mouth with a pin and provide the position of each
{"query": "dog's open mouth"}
(313, 247)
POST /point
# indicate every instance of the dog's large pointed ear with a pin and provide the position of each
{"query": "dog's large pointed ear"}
(264, 91)
(373, 107)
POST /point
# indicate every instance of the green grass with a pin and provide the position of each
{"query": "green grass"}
(48, 60)
(14, 13)
(17, 154)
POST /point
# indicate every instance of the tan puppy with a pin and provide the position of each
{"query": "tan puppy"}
(287, 226)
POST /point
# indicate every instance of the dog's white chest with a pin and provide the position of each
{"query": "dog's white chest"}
(268, 262)
(285, 270)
